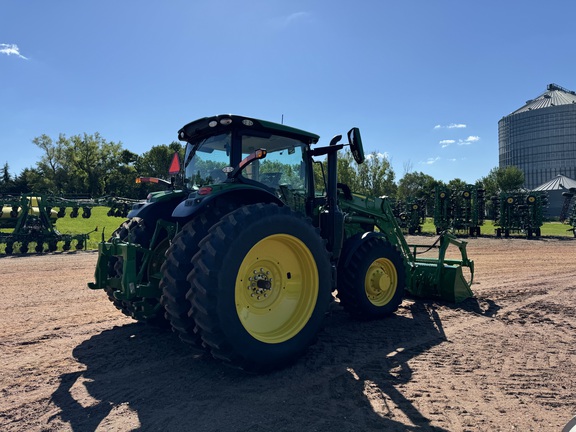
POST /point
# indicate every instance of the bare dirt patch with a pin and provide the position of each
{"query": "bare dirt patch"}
(505, 360)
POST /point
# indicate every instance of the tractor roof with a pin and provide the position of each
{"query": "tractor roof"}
(223, 122)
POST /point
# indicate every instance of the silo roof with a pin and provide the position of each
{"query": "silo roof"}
(559, 182)
(553, 96)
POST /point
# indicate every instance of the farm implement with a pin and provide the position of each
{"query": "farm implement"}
(28, 221)
(519, 212)
(410, 214)
(244, 259)
(459, 210)
(32, 218)
(568, 212)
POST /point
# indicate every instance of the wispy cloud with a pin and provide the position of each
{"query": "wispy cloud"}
(288, 20)
(451, 126)
(461, 142)
(471, 139)
(295, 17)
(379, 155)
(431, 161)
(11, 49)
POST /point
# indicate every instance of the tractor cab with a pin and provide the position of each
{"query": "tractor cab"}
(229, 152)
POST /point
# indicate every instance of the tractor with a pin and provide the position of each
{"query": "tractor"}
(244, 259)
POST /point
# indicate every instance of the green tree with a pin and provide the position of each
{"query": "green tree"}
(457, 184)
(81, 164)
(52, 165)
(376, 176)
(6, 183)
(416, 185)
(5, 177)
(25, 182)
(504, 179)
(156, 161)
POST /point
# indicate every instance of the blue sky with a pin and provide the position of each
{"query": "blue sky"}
(425, 81)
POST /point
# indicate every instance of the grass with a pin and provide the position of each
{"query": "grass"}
(548, 229)
(79, 225)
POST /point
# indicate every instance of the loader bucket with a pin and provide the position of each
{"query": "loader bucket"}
(446, 282)
(442, 278)
(453, 285)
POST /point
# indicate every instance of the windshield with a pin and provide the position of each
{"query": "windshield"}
(283, 166)
(205, 160)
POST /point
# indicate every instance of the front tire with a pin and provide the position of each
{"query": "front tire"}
(260, 287)
(371, 283)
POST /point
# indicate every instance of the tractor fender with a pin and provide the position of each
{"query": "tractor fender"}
(153, 210)
(351, 244)
(238, 195)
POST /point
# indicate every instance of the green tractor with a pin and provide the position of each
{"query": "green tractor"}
(245, 258)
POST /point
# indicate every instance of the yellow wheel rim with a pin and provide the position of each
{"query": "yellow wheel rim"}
(276, 288)
(381, 282)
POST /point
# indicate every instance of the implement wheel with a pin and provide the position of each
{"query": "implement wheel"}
(175, 271)
(260, 287)
(372, 280)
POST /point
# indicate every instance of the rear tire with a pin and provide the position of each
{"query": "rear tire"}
(260, 287)
(371, 283)
(175, 270)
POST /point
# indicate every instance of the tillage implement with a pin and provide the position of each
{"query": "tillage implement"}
(244, 259)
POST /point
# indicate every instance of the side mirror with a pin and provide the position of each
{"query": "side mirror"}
(356, 148)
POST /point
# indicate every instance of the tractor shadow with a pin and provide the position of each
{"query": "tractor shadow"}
(137, 377)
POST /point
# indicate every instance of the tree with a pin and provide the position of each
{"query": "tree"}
(81, 164)
(54, 176)
(503, 179)
(375, 177)
(457, 184)
(5, 176)
(6, 183)
(416, 185)
(156, 161)
(419, 186)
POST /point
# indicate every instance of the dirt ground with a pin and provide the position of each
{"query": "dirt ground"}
(503, 361)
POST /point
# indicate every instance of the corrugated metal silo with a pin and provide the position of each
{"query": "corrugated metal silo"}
(540, 137)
